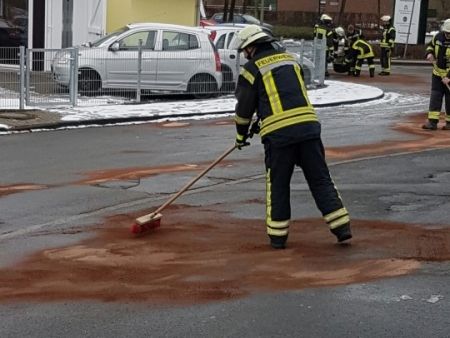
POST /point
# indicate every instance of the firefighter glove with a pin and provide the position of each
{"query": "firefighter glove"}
(241, 142)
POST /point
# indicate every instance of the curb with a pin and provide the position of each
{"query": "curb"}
(113, 121)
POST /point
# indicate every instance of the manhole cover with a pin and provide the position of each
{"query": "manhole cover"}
(17, 116)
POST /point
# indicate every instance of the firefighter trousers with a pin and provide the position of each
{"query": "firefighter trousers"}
(385, 59)
(280, 163)
(438, 91)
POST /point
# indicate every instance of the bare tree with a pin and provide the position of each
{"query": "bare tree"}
(342, 10)
(231, 12)
(225, 11)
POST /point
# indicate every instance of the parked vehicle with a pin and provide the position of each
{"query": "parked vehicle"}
(240, 18)
(223, 35)
(174, 58)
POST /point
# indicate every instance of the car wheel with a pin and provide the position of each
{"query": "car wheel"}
(89, 82)
(228, 84)
(202, 86)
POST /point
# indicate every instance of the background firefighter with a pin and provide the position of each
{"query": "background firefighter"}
(340, 51)
(271, 83)
(438, 53)
(361, 50)
(387, 44)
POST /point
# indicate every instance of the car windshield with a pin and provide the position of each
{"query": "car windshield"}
(98, 42)
(250, 19)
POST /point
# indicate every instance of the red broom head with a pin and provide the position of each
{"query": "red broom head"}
(141, 228)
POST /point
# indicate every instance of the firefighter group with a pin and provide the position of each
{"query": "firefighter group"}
(347, 49)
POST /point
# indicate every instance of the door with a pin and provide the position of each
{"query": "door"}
(179, 58)
(122, 65)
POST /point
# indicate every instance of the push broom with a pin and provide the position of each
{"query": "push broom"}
(153, 220)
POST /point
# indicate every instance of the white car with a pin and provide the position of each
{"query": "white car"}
(174, 58)
(223, 35)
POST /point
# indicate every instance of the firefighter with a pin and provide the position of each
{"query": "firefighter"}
(438, 53)
(353, 33)
(386, 44)
(361, 50)
(271, 84)
(324, 30)
(340, 51)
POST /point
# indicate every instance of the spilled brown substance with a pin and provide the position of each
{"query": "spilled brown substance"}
(12, 189)
(424, 139)
(201, 255)
(99, 176)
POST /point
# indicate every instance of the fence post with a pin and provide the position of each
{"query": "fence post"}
(27, 77)
(22, 77)
(139, 72)
(73, 82)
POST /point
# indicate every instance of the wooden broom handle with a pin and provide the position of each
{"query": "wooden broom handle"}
(195, 179)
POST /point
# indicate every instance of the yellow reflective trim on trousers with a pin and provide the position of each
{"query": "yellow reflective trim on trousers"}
(248, 76)
(310, 117)
(241, 120)
(276, 228)
(268, 197)
(240, 137)
(278, 224)
(272, 93)
(335, 214)
(337, 223)
(434, 115)
(275, 232)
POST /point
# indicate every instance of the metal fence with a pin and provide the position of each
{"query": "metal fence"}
(69, 77)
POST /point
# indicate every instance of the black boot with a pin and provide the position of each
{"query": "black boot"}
(383, 73)
(342, 233)
(430, 125)
(447, 126)
(278, 242)
(372, 72)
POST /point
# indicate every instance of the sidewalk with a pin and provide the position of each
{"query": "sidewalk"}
(87, 114)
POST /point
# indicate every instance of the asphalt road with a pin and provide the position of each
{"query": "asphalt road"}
(395, 183)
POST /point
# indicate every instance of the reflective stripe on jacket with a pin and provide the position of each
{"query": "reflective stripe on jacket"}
(439, 47)
(388, 39)
(362, 49)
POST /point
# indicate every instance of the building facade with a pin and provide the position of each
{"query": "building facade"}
(65, 23)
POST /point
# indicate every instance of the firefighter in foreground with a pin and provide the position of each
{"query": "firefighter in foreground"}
(324, 31)
(271, 84)
(359, 51)
(387, 44)
(438, 53)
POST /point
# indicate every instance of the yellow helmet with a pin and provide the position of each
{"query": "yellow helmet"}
(250, 35)
(446, 26)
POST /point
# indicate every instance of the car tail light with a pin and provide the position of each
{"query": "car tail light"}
(217, 58)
